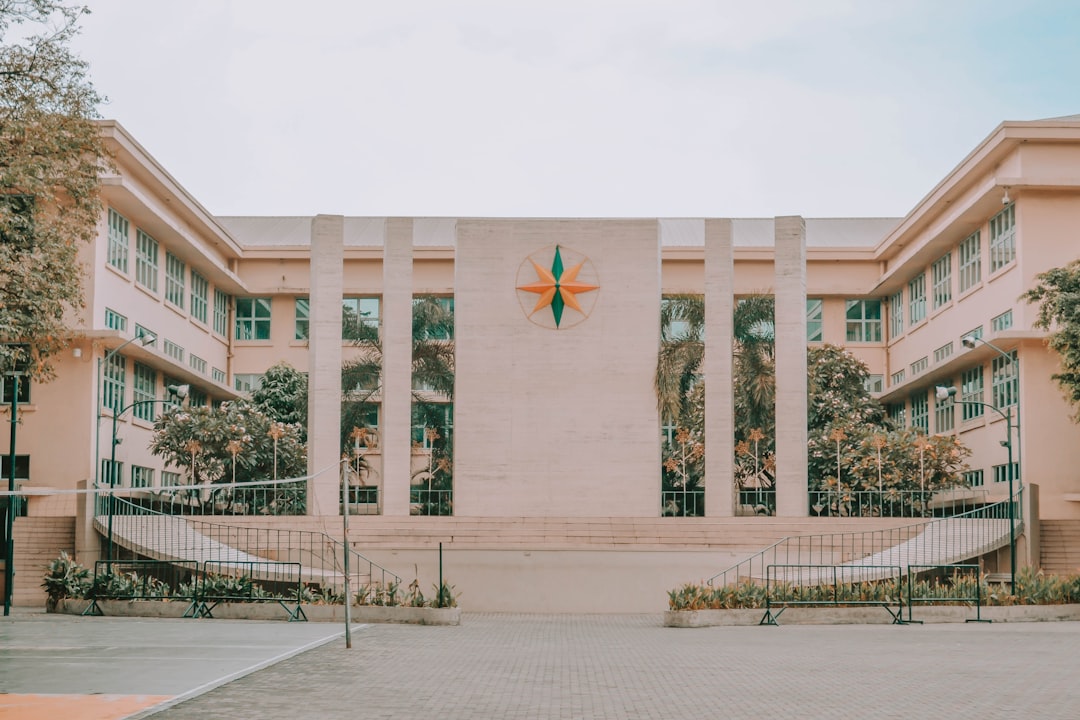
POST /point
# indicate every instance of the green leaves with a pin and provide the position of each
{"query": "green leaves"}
(1058, 296)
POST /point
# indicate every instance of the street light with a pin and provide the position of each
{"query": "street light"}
(969, 342)
(176, 392)
(944, 393)
(144, 338)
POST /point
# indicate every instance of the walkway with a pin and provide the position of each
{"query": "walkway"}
(569, 666)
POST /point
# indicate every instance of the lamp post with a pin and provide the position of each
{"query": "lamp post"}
(144, 339)
(944, 393)
(969, 341)
(19, 369)
(176, 392)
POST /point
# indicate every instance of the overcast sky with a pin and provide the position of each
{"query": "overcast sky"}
(669, 108)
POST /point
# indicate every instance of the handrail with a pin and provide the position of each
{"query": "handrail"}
(856, 548)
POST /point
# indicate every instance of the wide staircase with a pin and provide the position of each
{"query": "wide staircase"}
(37, 541)
(1060, 546)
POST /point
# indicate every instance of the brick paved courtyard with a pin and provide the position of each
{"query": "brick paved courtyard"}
(517, 666)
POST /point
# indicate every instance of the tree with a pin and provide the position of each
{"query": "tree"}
(1058, 295)
(283, 396)
(235, 441)
(50, 157)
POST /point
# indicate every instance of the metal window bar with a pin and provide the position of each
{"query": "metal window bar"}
(682, 503)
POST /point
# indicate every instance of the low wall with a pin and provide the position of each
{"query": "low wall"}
(928, 614)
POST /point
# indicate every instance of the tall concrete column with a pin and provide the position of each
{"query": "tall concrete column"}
(324, 364)
(719, 404)
(790, 264)
(396, 417)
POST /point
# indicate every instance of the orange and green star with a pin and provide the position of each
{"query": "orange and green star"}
(557, 288)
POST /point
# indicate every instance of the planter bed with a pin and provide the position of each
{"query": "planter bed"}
(268, 611)
(872, 615)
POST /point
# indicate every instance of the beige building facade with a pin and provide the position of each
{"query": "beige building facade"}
(554, 411)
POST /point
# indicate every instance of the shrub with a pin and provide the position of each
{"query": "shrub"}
(64, 578)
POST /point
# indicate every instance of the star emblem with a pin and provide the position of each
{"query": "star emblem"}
(558, 287)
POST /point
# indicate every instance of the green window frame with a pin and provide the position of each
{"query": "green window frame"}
(119, 238)
(359, 311)
(1004, 380)
(143, 388)
(115, 321)
(146, 261)
(1003, 238)
(944, 412)
(142, 477)
(113, 381)
(253, 318)
(200, 292)
(970, 252)
(863, 320)
(920, 411)
(815, 319)
(221, 312)
(917, 298)
(971, 393)
(941, 280)
(896, 314)
(174, 280)
(302, 313)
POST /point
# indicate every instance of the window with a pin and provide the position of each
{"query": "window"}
(221, 313)
(944, 412)
(146, 261)
(897, 377)
(17, 226)
(443, 330)
(1000, 474)
(218, 375)
(674, 329)
(896, 415)
(253, 318)
(874, 383)
(7, 389)
(941, 280)
(970, 261)
(174, 351)
(1001, 322)
(920, 411)
(142, 477)
(917, 299)
(197, 364)
(1002, 238)
(973, 333)
(112, 474)
(971, 391)
(1004, 380)
(197, 398)
(896, 314)
(919, 366)
(247, 382)
(364, 415)
(668, 428)
(863, 320)
(200, 293)
(143, 386)
(174, 280)
(814, 320)
(115, 321)
(118, 241)
(170, 479)
(113, 380)
(140, 331)
(420, 436)
(973, 478)
(943, 352)
(359, 318)
(303, 318)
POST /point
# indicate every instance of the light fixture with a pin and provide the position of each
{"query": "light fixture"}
(968, 341)
(1005, 199)
(147, 338)
(944, 393)
(180, 392)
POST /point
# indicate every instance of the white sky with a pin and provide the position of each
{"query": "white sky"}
(589, 108)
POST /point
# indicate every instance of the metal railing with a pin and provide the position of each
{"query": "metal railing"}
(142, 580)
(938, 541)
(430, 502)
(791, 585)
(897, 503)
(278, 498)
(250, 581)
(147, 533)
(971, 570)
(682, 503)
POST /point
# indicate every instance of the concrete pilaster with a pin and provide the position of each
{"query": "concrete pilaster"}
(324, 366)
(791, 484)
(396, 419)
(719, 405)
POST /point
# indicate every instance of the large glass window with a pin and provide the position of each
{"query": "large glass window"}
(146, 261)
(440, 330)
(143, 385)
(303, 318)
(253, 318)
(1003, 238)
(174, 279)
(422, 437)
(896, 415)
(1001, 322)
(814, 320)
(941, 278)
(114, 373)
(944, 412)
(970, 261)
(971, 393)
(896, 314)
(359, 317)
(1004, 380)
(7, 389)
(118, 241)
(863, 320)
(920, 411)
(221, 312)
(200, 292)
(115, 321)
(142, 477)
(917, 298)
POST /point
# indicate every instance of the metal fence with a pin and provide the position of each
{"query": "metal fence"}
(938, 541)
(790, 585)
(154, 535)
(142, 580)
(430, 502)
(274, 498)
(897, 503)
(682, 503)
(250, 581)
(958, 569)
